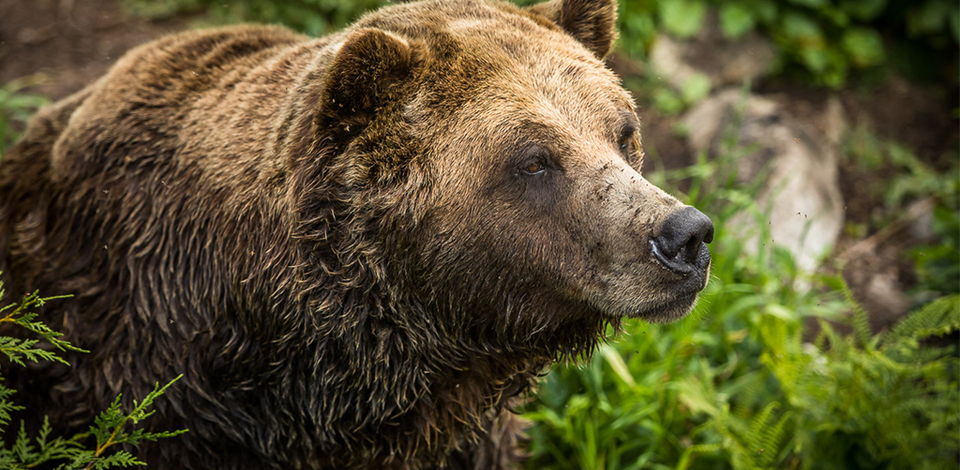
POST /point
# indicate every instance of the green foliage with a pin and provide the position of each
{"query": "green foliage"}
(17, 349)
(682, 18)
(738, 387)
(314, 17)
(743, 382)
(110, 429)
(95, 449)
(823, 38)
(937, 264)
(872, 401)
(16, 107)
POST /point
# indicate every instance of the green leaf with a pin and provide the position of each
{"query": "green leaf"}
(696, 88)
(835, 15)
(815, 58)
(616, 363)
(806, 37)
(809, 3)
(929, 17)
(864, 45)
(683, 18)
(955, 24)
(764, 10)
(801, 28)
(736, 19)
(780, 312)
(863, 10)
(666, 101)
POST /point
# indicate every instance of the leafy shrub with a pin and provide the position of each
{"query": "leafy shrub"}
(938, 265)
(912, 180)
(823, 38)
(314, 17)
(862, 401)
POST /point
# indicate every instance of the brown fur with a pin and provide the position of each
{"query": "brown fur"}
(337, 240)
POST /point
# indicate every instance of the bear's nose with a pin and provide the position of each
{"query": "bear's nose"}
(681, 245)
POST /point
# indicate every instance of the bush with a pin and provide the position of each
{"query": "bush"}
(823, 40)
(314, 17)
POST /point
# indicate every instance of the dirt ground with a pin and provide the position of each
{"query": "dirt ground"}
(72, 42)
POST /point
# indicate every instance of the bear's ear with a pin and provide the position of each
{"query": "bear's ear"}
(592, 22)
(368, 65)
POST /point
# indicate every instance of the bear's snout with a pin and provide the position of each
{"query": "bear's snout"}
(682, 244)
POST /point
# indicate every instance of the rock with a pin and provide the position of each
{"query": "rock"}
(921, 225)
(668, 59)
(801, 194)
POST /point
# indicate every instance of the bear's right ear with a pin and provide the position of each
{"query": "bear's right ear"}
(367, 67)
(592, 22)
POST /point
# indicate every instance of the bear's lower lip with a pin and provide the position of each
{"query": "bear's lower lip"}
(669, 311)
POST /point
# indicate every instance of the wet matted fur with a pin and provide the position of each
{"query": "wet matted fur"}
(358, 249)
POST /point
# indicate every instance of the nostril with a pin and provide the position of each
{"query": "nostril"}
(708, 236)
(692, 249)
(682, 235)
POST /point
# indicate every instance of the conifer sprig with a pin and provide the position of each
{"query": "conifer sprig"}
(95, 449)
(18, 349)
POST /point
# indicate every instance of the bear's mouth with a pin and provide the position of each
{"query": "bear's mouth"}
(625, 295)
(663, 308)
(669, 311)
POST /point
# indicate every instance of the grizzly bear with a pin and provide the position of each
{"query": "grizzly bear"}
(359, 250)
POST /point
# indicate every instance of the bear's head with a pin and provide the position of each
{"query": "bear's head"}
(498, 161)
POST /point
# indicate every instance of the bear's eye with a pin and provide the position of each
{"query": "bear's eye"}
(627, 137)
(533, 168)
(533, 161)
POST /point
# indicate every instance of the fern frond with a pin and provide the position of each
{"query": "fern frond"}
(754, 438)
(937, 318)
(773, 440)
(765, 441)
(860, 319)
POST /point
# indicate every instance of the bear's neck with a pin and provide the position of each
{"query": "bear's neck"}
(359, 363)
(407, 388)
